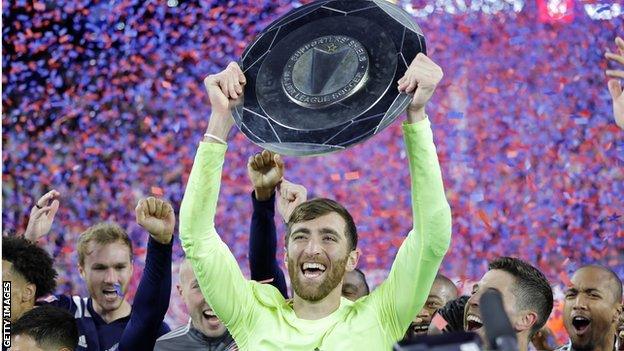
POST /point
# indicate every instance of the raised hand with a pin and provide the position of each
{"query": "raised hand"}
(421, 79)
(225, 90)
(42, 216)
(157, 217)
(290, 196)
(615, 87)
(265, 171)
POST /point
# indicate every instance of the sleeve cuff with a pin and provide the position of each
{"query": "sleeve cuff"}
(268, 205)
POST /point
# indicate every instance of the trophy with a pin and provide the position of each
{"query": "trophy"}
(323, 77)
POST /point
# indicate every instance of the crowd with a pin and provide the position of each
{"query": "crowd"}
(526, 141)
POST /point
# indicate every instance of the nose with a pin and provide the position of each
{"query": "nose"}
(580, 303)
(473, 301)
(313, 246)
(111, 276)
(424, 313)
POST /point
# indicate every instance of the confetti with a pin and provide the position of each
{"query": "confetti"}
(104, 101)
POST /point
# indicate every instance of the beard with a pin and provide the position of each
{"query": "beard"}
(317, 292)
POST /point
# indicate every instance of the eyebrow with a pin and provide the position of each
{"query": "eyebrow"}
(325, 230)
(301, 231)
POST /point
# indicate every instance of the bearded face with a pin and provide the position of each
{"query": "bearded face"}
(317, 255)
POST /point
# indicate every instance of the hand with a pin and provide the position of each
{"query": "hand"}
(225, 90)
(265, 171)
(544, 339)
(42, 216)
(421, 79)
(157, 217)
(615, 87)
(620, 329)
(290, 196)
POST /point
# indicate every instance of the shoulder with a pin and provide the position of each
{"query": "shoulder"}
(77, 305)
(171, 336)
(266, 294)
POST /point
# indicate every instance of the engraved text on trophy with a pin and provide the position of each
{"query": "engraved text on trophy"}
(325, 71)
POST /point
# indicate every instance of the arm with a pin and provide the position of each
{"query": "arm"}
(220, 279)
(414, 269)
(266, 171)
(263, 245)
(152, 297)
(615, 88)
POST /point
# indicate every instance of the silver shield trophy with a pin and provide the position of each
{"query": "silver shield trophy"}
(323, 77)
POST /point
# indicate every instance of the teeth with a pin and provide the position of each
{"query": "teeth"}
(313, 266)
(473, 318)
(208, 314)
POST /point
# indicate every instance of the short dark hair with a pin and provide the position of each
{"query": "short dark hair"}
(614, 281)
(31, 262)
(49, 326)
(363, 276)
(315, 208)
(531, 288)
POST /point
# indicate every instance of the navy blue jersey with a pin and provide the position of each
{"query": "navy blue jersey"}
(95, 333)
(144, 325)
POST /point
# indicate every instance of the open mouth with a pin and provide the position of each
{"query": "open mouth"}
(580, 324)
(210, 315)
(419, 328)
(312, 270)
(110, 293)
(473, 322)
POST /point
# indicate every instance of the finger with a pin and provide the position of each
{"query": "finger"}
(223, 86)
(159, 208)
(139, 211)
(267, 157)
(168, 210)
(620, 44)
(53, 208)
(251, 163)
(615, 88)
(279, 162)
(231, 82)
(613, 57)
(615, 74)
(259, 160)
(151, 205)
(43, 201)
(42, 211)
(239, 72)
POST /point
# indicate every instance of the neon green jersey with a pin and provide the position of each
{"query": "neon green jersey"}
(257, 315)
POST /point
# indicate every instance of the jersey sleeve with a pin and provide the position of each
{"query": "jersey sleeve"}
(220, 279)
(400, 297)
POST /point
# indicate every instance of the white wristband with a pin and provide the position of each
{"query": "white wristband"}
(208, 135)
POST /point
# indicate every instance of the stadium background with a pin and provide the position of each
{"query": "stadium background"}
(105, 103)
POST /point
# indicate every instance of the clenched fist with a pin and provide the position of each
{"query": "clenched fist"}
(157, 217)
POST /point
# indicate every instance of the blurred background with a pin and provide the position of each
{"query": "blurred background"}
(104, 102)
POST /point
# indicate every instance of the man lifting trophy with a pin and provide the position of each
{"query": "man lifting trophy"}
(323, 77)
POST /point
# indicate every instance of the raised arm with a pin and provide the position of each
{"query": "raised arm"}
(220, 279)
(405, 291)
(152, 297)
(266, 171)
(615, 87)
(42, 216)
